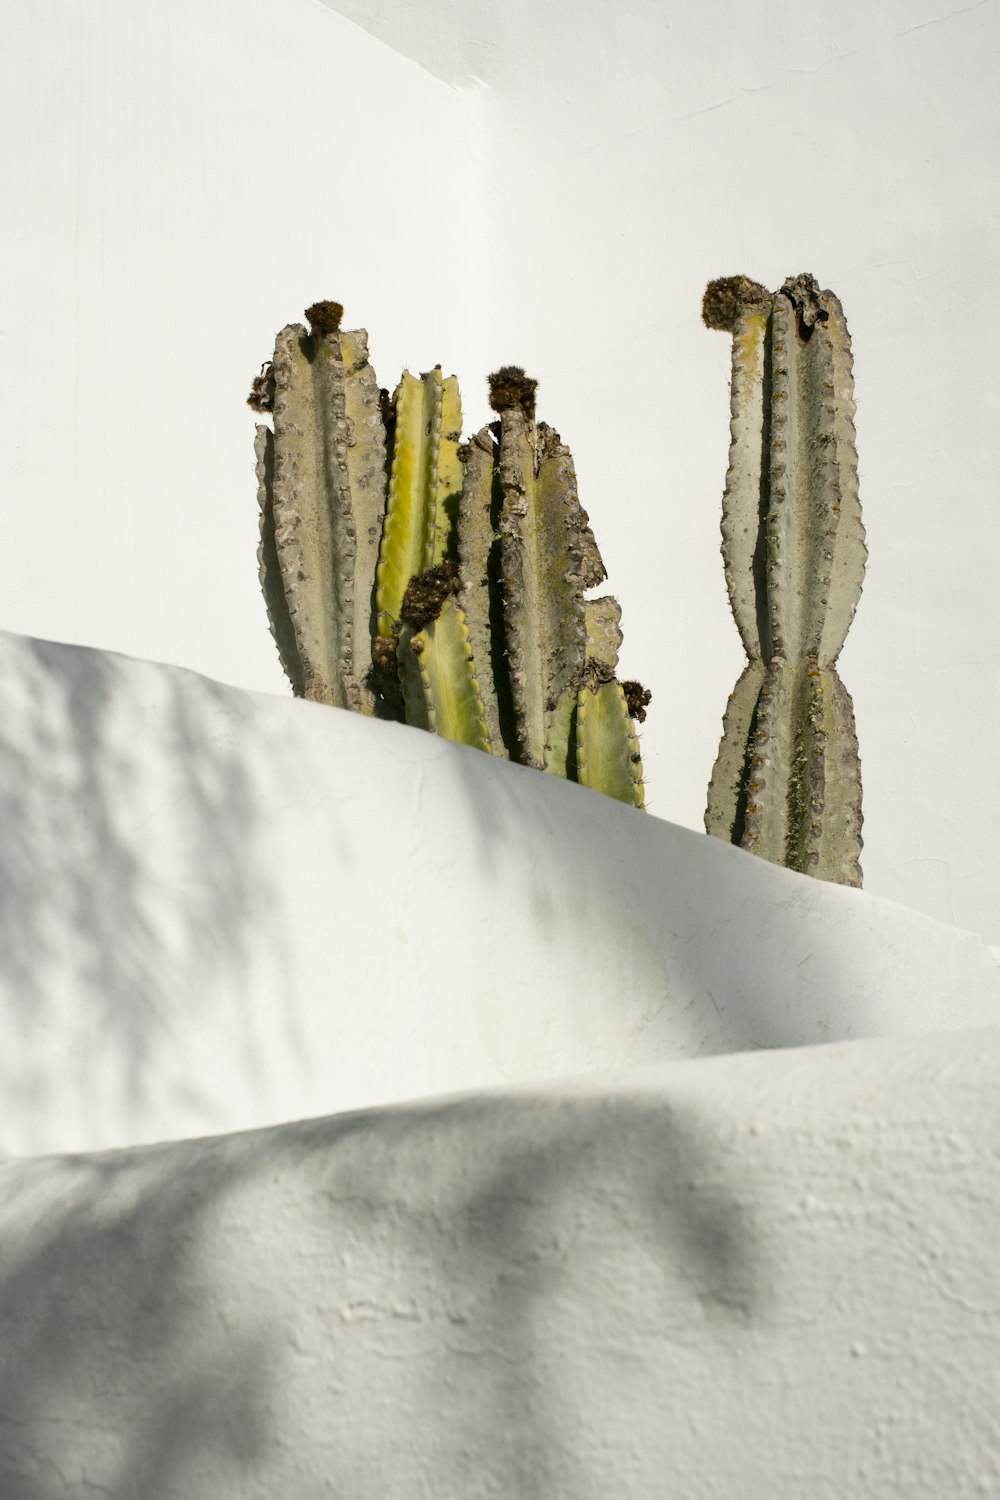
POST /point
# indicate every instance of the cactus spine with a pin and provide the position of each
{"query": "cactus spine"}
(404, 570)
(787, 780)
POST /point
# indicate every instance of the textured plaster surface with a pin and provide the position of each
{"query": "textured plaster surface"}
(225, 910)
(752, 1278)
(547, 182)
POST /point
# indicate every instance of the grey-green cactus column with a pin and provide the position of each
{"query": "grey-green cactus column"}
(787, 780)
(321, 476)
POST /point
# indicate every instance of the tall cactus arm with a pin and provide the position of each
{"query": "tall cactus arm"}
(313, 526)
(328, 461)
(787, 782)
(549, 557)
(425, 476)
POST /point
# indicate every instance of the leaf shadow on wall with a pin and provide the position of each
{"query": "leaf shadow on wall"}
(430, 1290)
(116, 1372)
(101, 946)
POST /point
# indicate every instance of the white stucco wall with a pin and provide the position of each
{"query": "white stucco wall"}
(552, 183)
(225, 910)
(180, 180)
(759, 1277)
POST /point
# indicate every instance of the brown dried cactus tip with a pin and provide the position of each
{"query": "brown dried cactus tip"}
(324, 318)
(637, 699)
(384, 651)
(803, 291)
(261, 397)
(729, 296)
(511, 388)
(425, 594)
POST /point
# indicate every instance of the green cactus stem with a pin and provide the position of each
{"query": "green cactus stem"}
(321, 476)
(417, 577)
(787, 780)
(605, 746)
(440, 687)
(424, 484)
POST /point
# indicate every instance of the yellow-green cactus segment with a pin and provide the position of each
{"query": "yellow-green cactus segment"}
(479, 566)
(560, 747)
(438, 673)
(314, 534)
(426, 472)
(607, 747)
(446, 482)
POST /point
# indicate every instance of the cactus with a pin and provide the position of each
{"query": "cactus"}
(409, 575)
(787, 781)
(321, 476)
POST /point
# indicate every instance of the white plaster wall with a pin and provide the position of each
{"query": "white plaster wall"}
(224, 910)
(179, 181)
(568, 177)
(760, 1277)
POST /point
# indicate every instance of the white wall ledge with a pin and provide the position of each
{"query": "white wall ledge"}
(759, 1277)
(227, 910)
